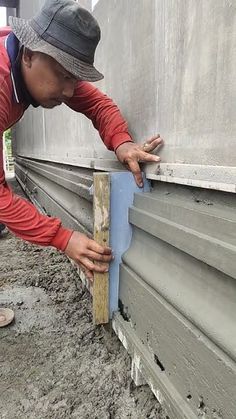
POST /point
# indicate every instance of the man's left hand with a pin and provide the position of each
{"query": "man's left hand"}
(131, 154)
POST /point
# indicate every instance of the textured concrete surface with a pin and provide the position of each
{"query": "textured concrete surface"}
(177, 297)
(182, 244)
(59, 191)
(170, 67)
(192, 371)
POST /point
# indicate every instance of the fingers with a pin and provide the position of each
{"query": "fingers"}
(88, 267)
(151, 144)
(133, 165)
(86, 252)
(95, 247)
(155, 137)
(96, 253)
(91, 266)
(146, 157)
(131, 154)
(89, 274)
(100, 258)
(135, 169)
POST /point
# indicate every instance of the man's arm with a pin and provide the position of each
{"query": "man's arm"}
(23, 219)
(103, 112)
(113, 129)
(20, 216)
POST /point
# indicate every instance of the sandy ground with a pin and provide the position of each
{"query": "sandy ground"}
(53, 362)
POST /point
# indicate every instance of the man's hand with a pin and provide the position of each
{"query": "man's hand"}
(86, 252)
(131, 154)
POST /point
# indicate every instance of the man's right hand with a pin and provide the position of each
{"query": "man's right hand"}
(86, 252)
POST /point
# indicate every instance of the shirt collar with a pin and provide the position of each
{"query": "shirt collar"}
(20, 92)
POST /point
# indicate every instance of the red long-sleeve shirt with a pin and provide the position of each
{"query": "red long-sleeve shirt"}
(20, 216)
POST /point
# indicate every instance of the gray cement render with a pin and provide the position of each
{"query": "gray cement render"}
(189, 363)
(10, 12)
(178, 301)
(59, 192)
(170, 68)
(175, 249)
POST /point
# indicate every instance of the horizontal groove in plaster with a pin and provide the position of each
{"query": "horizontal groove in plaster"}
(52, 206)
(222, 178)
(75, 182)
(213, 220)
(197, 244)
(78, 208)
(158, 381)
(202, 294)
(189, 356)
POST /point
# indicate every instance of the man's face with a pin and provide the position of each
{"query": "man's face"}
(46, 80)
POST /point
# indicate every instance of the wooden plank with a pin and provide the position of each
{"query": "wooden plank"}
(101, 210)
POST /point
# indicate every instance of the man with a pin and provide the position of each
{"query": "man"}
(47, 61)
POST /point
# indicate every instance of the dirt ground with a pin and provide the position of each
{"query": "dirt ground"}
(53, 362)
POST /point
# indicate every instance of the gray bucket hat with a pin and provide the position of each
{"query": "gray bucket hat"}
(66, 32)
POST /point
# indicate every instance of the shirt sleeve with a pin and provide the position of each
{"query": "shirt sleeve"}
(26, 222)
(19, 215)
(103, 112)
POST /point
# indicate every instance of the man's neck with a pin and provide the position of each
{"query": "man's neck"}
(21, 93)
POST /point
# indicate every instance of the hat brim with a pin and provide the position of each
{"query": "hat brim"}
(30, 39)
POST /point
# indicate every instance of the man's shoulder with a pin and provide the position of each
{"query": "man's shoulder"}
(4, 59)
(5, 80)
(4, 31)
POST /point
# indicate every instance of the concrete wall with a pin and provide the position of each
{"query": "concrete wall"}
(169, 64)
(177, 288)
(11, 12)
(28, 8)
(170, 67)
(9, 3)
